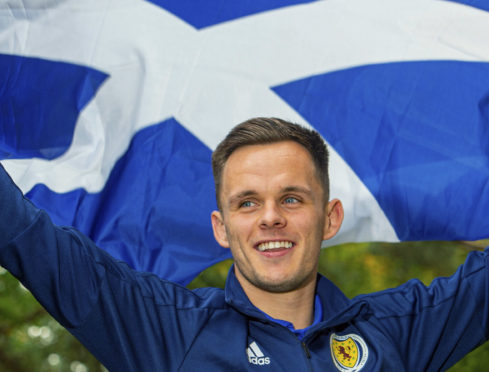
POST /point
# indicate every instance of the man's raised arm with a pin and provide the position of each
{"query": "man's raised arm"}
(123, 317)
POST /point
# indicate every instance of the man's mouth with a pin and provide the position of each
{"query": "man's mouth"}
(267, 246)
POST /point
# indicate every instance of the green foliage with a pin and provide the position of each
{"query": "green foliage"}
(214, 276)
(30, 340)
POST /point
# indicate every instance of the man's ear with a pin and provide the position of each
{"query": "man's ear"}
(334, 218)
(219, 229)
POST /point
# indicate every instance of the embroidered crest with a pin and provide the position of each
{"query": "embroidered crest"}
(349, 352)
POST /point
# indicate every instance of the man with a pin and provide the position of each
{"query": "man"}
(276, 313)
(274, 214)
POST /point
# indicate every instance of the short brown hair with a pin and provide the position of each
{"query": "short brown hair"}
(259, 131)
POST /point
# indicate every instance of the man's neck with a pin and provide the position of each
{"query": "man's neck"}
(296, 307)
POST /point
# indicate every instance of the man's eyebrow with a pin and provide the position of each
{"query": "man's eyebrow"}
(298, 189)
(241, 195)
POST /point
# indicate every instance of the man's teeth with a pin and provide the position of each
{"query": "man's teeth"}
(274, 245)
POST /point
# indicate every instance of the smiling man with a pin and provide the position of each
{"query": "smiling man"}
(276, 312)
(274, 214)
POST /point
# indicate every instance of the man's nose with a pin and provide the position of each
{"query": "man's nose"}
(272, 216)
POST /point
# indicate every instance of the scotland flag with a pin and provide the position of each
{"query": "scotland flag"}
(109, 112)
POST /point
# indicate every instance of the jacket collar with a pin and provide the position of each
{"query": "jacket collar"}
(236, 297)
(337, 308)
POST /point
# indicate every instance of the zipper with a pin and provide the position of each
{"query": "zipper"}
(308, 356)
(306, 350)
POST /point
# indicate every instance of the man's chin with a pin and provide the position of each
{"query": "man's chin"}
(279, 285)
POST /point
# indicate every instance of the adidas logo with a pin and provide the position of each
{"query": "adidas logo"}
(255, 356)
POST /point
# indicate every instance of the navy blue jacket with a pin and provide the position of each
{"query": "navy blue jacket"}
(133, 321)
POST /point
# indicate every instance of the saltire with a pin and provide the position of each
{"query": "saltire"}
(109, 112)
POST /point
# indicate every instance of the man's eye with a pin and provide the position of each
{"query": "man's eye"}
(247, 204)
(290, 200)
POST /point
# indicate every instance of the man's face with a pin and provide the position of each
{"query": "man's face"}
(274, 215)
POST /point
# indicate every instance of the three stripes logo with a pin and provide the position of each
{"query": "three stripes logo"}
(255, 355)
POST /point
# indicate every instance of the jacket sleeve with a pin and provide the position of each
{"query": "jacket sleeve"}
(437, 325)
(128, 320)
(45, 258)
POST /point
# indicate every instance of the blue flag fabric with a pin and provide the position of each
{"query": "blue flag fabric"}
(41, 124)
(417, 155)
(109, 114)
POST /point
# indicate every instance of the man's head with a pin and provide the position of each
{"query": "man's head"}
(259, 131)
(274, 211)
